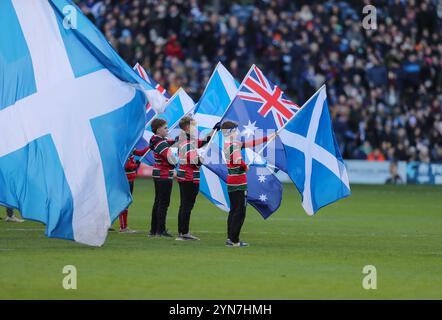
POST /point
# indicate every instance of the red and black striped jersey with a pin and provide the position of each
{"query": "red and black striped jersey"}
(165, 161)
(189, 168)
(236, 167)
(131, 165)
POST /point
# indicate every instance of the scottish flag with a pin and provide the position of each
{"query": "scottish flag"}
(179, 105)
(219, 92)
(71, 110)
(316, 166)
(261, 106)
(214, 188)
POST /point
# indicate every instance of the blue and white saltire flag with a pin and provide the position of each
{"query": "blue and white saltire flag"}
(71, 110)
(152, 110)
(214, 188)
(316, 165)
(219, 92)
(259, 106)
(179, 105)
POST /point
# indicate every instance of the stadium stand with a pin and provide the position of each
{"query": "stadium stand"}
(384, 85)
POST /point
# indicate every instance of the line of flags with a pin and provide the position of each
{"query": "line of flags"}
(72, 115)
(303, 134)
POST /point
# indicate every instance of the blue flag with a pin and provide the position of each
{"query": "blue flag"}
(260, 106)
(264, 190)
(213, 104)
(152, 110)
(71, 111)
(220, 91)
(316, 165)
(178, 106)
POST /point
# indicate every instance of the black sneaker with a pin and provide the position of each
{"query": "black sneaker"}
(151, 234)
(165, 234)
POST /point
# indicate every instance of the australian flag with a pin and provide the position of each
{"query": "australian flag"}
(264, 190)
(262, 105)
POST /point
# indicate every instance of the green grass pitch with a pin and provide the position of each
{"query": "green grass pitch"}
(398, 229)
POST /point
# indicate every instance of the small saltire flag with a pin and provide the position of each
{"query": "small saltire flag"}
(260, 105)
(179, 105)
(316, 165)
(71, 110)
(214, 188)
(219, 92)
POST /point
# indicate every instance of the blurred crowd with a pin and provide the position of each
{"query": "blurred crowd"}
(384, 85)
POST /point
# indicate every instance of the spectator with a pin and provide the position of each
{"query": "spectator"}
(376, 155)
(384, 86)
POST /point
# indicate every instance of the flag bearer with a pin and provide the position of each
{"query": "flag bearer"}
(236, 180)
(131, 168)
(188, 174)
(162, 174)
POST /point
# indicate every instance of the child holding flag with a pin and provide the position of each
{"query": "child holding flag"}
(162, 174)
(236, 180)
(188, 174)
(131, 168)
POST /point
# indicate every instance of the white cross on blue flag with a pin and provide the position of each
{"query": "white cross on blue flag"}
(316, 165)
(71, 110)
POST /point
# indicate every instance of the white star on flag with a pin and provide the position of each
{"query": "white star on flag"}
(262, 178)
(263, 198)
(249, 129)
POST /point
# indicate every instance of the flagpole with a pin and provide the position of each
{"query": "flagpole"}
(282, 128)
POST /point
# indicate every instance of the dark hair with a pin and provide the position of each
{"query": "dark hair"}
(229, 125)
(157, 123)
(185, 122)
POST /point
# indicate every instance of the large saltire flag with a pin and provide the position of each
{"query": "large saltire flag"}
(316, 165)
(264, 189)
(71, 111)
(260, 105)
